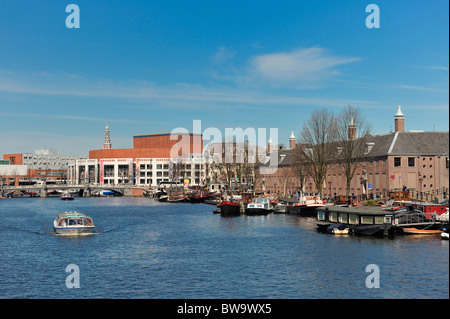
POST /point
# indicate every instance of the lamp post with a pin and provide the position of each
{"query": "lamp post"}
(420, 186)
(329, 185)
(363, 183)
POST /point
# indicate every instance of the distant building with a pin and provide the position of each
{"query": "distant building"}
(43, 159)
(10, 174)
(43, 164)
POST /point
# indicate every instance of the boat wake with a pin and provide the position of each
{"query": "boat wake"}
(24, 230)
(75, 235)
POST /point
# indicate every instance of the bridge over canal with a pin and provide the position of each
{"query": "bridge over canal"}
(84, 190)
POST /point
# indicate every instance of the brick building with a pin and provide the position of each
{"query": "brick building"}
(416, 160)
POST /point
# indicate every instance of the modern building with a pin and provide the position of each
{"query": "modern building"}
(43, 164)
(43, 159)
(415, 160)
(11, 174)
(154, 158)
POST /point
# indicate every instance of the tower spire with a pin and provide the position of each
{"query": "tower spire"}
(107, 141)
(292, 140)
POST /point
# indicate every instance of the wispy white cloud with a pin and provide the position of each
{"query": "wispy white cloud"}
(419, 88)
(65, 117)
(223, 54)
(175, 96)
(443, 68)
(303, 68)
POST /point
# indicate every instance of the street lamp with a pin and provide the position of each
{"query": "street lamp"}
(329, 185)
(420, 186)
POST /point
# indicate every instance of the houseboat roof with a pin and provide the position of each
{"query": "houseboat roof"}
(360, 210)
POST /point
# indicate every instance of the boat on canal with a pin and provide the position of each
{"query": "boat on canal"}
(73, 223)
(67, 196)
(444, 234)
(415, 231)
(376, 221)
(229, 208)
(178, 199)
(306, 206)
(280, 208)
(259, 206)
(199, 197)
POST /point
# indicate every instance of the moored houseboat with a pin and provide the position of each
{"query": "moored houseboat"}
(370, 220)
(73, 223)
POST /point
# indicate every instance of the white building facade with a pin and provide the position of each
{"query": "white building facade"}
(148, 172)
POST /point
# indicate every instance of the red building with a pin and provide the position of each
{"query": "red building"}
(155, 146)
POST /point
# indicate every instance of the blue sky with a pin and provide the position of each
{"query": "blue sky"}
(152, 66)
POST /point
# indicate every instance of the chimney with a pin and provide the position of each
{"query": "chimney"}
(292, 141)
(399, 120)
(269, 145)
(352, 129)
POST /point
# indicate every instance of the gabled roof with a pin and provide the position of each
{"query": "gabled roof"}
(391, 144)
(409, 143)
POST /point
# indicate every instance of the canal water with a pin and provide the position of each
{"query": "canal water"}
(147, 249)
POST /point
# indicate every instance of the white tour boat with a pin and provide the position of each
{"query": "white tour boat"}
(73, 223)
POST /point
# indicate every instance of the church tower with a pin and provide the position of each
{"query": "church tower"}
(107, 142)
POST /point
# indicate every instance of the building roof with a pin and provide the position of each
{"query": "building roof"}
(398, 143)
(409, 143)
(285, 158)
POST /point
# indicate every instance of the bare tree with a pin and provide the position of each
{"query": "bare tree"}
(318, 135)
(299, 166)
(352, 135)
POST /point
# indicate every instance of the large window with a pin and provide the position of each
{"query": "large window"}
(108, 171)
(411, 161)
(366, 220)
(353, 219)
(397, 161)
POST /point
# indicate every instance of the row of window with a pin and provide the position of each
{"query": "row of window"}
(412, 162)
(166, 166)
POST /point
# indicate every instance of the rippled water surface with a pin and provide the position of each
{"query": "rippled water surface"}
(147, 249)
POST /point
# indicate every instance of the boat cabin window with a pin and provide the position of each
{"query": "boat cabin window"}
(379, 220)
(343, 218)
(366, 220)
(353, 219)
(321, 215)
(333, 217)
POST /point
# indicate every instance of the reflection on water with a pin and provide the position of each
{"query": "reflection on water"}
(147, 249)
